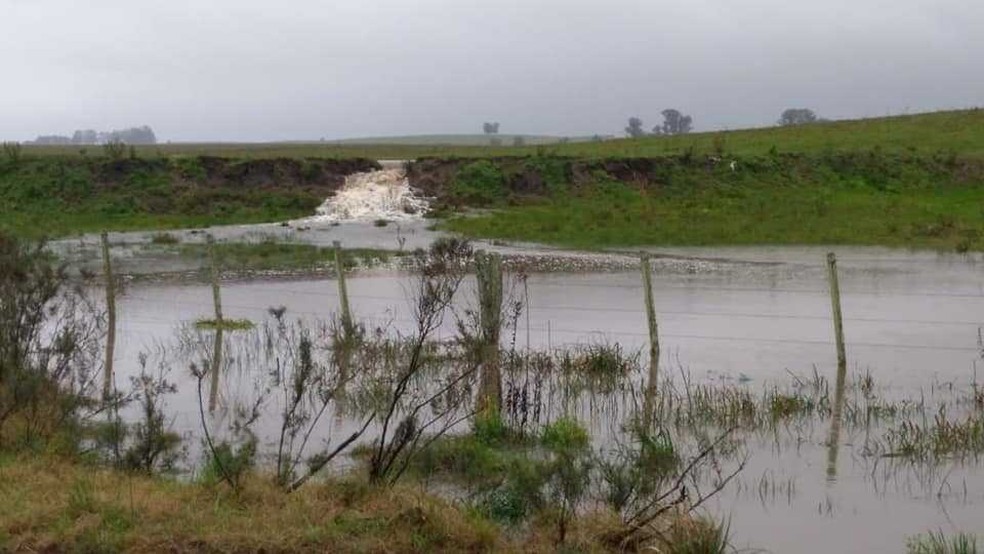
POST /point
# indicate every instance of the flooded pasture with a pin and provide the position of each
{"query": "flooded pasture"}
(747, 319)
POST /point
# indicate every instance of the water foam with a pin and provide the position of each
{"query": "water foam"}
(371, 196)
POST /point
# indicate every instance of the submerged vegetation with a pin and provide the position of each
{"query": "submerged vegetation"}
(940, 543)
(273, 254)
(226, 324)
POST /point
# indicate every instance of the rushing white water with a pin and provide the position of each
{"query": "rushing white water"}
(383, 194)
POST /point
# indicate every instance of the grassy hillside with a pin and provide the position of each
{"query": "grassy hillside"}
(863, 198)
(915, 181)
(59, 196)
(961, 132)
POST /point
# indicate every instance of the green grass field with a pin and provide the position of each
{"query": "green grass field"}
(959, 131)
(912, 181)
(58, 196)
(941, 218)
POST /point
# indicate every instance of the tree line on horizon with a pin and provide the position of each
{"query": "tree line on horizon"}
(676, 123)
(133, 135)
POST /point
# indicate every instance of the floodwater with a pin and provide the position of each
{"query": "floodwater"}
(743, 315)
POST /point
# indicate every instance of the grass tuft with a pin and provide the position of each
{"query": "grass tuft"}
(939, 543)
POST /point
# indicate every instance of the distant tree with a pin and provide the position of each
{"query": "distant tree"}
(518, 140)
(53, 139)
(490, 127)
(635, 129)
(797, 116)
(674, 123)
(133, 135)
(85, 136)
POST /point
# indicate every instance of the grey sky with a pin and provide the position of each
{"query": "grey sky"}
(304, 69)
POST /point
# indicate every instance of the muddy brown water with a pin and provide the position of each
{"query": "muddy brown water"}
(743, 315)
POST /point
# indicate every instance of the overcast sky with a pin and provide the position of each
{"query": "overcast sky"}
(250, 70)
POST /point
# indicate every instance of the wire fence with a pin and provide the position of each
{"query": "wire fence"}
(390, 306)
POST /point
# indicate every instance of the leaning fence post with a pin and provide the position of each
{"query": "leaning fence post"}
(110, 318)
(647, 284)
(219, 326)
(835, 418)
(343, 292)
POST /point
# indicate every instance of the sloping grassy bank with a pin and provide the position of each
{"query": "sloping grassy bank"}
(57, 506)
(63, 195)
(54, 505)
(863, 198)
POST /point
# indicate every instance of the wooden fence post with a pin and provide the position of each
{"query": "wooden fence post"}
(343, 299)
(110, 318)
(219, 327)
(838, 407)
(649, 406)
(488, 276)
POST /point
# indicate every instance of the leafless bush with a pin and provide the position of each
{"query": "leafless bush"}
(147, 444)
(650, 480)
(405, 428)
(49, 347)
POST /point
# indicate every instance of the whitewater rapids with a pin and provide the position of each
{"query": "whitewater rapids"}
(371, 196)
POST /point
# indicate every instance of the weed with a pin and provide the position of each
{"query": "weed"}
(229, 462)
(785, 406)
(225, 324)
(696, 536)
(599, 367)
(12, 151)
(115, 150)
(164, 239)
(942, 438)
(489, 428)
(81, 499)
(565, 436)
(939, 543)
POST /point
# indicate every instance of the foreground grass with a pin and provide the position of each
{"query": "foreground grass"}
(54, 505)
(735, 210)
